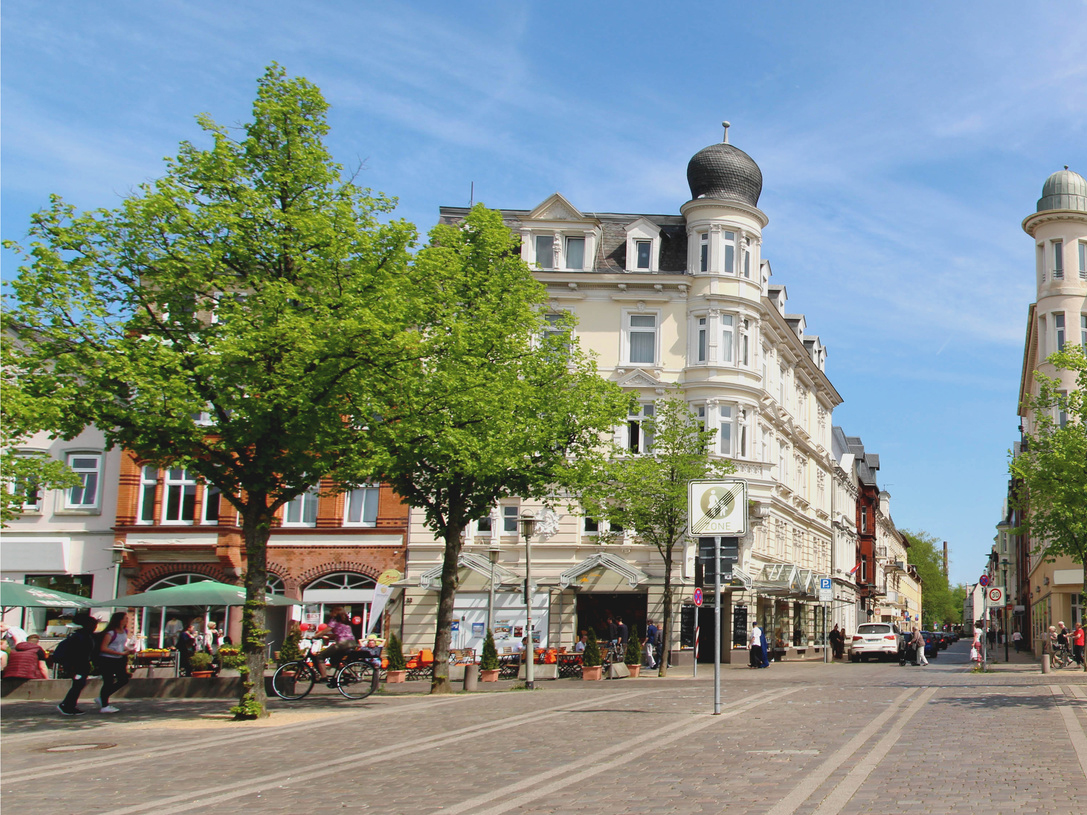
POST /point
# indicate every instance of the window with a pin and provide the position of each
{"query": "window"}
(180, 496)
(302, 509)
(725, 435)
(88, 466)
(730, 253)
(639, 437)
(209, 513)
(728, 338)
(485, 524)
(509, 519)
(1058, 260)
(591, 526)
(1083, 331)
(642, 338)
(747, 263)
(745, 344)
(26, 488)
(149, 481)
(1083, 260)
(864, 569)
(1041, 261)
(1058, 329)
(864, 521)
(643, 253)
(701, 339)
(765, 364)
(704, 252)
(361, 507)
(545, 251)
(575, 253)
(1062, 416)
(733, 432)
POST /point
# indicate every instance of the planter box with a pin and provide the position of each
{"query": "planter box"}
(395, 677)
(618, 670)
(489, 676)
(635, 670)
(593, 673)
(541, 672)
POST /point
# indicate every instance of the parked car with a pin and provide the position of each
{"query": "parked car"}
(879, 640)
(932, 645)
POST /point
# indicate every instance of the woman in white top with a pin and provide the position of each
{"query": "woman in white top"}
(113, 659)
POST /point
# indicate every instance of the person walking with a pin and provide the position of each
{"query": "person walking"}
(650, 644)
(835, 638)
(1017, 640)
(754, 643)
(919, 644)
(113, 659)
(74, 654)
(186, 647)
(1079, 636)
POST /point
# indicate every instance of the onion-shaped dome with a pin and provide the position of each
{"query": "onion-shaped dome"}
(725, 172)
(1064, 190)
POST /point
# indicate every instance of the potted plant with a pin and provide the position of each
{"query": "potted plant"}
(633, 656)
(200, 665)
(394, 652)
(231, 657)
(290, 650)
(488, 660)
(591, 659)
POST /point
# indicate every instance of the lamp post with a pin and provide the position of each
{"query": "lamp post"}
(492, 554)
(1004, 565)
(528, 529)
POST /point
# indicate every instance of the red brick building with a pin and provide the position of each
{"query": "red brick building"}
(324, 549)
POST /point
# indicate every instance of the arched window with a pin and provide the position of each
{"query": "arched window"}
(352, 590)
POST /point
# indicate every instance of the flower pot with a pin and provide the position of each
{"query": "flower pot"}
(201, 674)
(634, 669)
(593, 672)
(395, 677)
(489, 676)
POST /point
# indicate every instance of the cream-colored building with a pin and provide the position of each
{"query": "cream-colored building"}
(1056, 319)
(667, 302)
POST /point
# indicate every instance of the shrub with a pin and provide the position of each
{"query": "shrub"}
(200, 661)
(488, 660)
(231, 657)
(634, 648)
(394, 652)
(289, 650)
(592, 657)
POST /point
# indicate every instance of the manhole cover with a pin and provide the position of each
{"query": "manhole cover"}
(75, 748)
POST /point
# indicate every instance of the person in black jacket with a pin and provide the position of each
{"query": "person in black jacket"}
(77, 651)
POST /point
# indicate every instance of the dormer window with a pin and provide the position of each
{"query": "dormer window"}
(643, 246)
(545, 251)
(575, 253)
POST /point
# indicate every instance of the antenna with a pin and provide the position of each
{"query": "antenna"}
(472, 196)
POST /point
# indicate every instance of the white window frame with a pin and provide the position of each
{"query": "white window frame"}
(21, 488)
(703, 251)
(1058, 330)
(1057, 248)
(1082, 251)
(643, 231)
(509, 517)
(729, 265)
(205, 505)
(566, 251)
(629, 329)
(726, 351)
(184, 484)
(536, 236)
(369, 495)
(636, 440)
(89, 470)
(702, 339)
(294, 513)
(145, 502)
(1083, 331)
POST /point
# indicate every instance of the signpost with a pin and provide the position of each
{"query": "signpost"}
(697, 605)
(717, 508)
(826, 595)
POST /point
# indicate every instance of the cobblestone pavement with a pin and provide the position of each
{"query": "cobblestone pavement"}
(796, 738)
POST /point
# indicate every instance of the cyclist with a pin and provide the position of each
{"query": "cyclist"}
(342, 640)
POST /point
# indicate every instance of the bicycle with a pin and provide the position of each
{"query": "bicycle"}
(354, 676)
(1062, 657)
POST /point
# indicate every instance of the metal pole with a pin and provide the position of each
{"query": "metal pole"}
(1005, 610)
(717, 626)
(528, 526)
(825, 643)
(695, 674)
(490, 599)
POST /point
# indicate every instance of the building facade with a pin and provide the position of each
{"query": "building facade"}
(1053, 591)
(670, 303)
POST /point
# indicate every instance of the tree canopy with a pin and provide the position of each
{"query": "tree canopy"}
(938, 604)
(648, 492)
(236, 317)
(1053, 464)
(502, 402)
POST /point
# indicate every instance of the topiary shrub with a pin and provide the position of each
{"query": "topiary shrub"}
(633, 654)
(200, 661)
(592, 656)
(289, 651)
(394, 652)
(488, 660)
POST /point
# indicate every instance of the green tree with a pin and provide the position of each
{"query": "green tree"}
(958, 600)
(926, 555)
(1053, 466)
(234, 318)
(500, 404)
(648, 493)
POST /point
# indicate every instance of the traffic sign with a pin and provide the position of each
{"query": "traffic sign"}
(698, 597)
(717, 508)
(983, 580)
(995, 595)
(826, 590)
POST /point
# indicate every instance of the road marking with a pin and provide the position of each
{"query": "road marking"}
(817, 777)
(1074, 728)
(651, 742)
(840, 795)
(189, 801)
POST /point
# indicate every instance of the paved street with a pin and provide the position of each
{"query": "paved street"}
(795, 738)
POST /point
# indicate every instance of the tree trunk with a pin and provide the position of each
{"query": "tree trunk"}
(444, 623)
(666, 638)
(256, 528)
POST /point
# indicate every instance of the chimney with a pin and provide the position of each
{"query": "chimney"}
(945, 558)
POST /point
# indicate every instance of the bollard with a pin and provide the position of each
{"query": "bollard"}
(471, 677)
(1045, 663)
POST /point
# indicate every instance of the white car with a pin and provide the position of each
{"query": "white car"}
(879, 640)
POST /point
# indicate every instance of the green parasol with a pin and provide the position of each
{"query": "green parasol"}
(21, 595)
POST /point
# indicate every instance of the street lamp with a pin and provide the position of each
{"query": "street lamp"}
(528, 529)
(1004, 565)
(492, 553)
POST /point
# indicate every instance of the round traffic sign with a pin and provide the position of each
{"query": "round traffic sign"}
(996, 595)
(984, 580)
(698, 597)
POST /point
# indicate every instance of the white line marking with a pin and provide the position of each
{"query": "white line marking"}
(1074, 728)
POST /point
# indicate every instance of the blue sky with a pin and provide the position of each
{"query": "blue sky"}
(901, 146)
